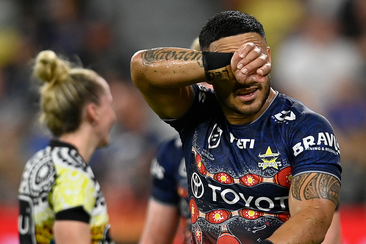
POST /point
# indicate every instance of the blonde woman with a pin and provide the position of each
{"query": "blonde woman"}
(60, 200)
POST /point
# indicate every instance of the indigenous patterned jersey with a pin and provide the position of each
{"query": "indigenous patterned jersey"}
(170, 177)
(239, 175)
(58, 184)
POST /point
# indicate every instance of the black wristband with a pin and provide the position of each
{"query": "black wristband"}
(266, 241)
(212, 61)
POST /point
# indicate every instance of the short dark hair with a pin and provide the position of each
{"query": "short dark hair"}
(228, 23)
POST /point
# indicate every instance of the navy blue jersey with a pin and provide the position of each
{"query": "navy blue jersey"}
(239, 175)
(169, 175)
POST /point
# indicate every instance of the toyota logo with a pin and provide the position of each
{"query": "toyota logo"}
(197, 186)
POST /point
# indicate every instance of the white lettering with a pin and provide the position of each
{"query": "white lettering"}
(308, 141)
(321, 138)
(214, 188)
(282, 201)
(242, 143)
(297, 149)
(239, 144)
(230, 196)
(245, 143)
(332, 139)
(157, 170)
(252, 143)
(23, 230)
(323, 142)
(247, 201)
(236, 197)
(259, 199)
(232, 138)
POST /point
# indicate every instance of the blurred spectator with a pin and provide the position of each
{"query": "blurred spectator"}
(349, 112)
(12, 126)
(279, 17)
(141, 24)
(353, 26)
(348, 116)
(353, 18)
(314, 62)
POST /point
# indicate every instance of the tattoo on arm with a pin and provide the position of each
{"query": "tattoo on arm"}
(221, 73)
(296, 183)
(158, 54)
(316, 185)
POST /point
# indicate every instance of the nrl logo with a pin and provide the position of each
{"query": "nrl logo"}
(269, 160)
(215, 137)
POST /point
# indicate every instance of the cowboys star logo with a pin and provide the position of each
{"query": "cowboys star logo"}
(269, 159)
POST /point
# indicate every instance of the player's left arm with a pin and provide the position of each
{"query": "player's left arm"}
(161, 223)
(312, 201)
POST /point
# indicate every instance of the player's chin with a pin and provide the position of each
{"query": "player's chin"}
(104, 142)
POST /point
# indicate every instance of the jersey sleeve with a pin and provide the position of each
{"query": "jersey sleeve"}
(203, 107)
(77, 214)
(73, 188)
(314, 147)
(163, 170)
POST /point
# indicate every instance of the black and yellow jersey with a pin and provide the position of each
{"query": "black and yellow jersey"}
(57, 184)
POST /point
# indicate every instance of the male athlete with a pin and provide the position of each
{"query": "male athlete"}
(261, 166)
(169, 204)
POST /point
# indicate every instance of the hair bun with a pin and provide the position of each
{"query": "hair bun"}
(49, 68)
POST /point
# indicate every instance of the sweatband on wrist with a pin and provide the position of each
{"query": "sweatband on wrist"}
(266, 242)
(214, 62)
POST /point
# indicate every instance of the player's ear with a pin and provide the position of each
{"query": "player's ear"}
(92, 112)
(269, 54)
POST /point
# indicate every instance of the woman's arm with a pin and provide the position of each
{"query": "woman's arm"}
(71, 232)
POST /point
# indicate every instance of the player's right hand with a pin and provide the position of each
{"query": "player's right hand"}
(251, 63)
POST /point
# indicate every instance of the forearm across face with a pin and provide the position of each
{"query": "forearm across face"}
(163, 76)
(167, 67)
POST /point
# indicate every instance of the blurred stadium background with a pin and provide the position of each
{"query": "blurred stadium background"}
(319, 57)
